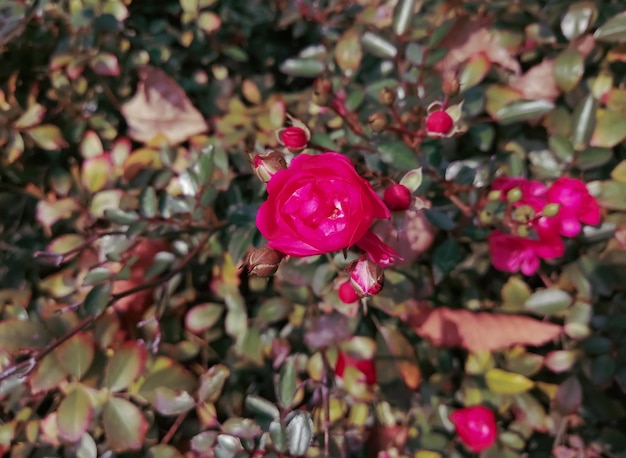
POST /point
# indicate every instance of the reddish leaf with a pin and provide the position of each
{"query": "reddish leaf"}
(538, 82)
(479, 331)
(161, 106)
(468, 37)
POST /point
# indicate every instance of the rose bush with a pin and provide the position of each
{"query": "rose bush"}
(320, 204)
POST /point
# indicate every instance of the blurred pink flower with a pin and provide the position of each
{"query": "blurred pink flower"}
(576, 206)
(511, 253)
(476, 427)
(320, 204)
(533, 192)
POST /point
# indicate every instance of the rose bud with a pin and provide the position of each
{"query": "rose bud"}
(264, 261)
(365, 366)
(294, 138)
(475, 426)
(387, 96)
(397, 197)
(439, 123)
(367, 277)
(347, 294)
(378, 122)
(266, 165)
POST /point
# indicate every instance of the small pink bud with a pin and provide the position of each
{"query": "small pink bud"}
(266, 165)
(294, 138)
(264, 261)
(476, 427)
(397, 197)
(367, 277)
(347, 294)
(439, 122)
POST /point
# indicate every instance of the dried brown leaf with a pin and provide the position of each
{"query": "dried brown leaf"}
(468, 37)
(161, 106)
(538, 82)
(479, 331)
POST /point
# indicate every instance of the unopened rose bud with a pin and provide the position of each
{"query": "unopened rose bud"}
(294, 138)
(514, 195)
(494, 195)
(378, 122)
(439, 123)
(266, 165)
(551, 210)
(347, 294)
(397, 197)
(387, 96)
(264, 261)
(367, 277)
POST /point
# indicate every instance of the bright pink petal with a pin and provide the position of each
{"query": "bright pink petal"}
(378, 251)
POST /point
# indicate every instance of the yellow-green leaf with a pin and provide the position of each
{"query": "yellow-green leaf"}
(503, 382)
(47, 137)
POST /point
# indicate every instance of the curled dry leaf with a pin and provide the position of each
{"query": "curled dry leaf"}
(479, 331)
(538, 82)
(161, 106)
(468, 37)
(409, 233)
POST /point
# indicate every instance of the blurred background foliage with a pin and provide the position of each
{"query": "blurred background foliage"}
(128, 204)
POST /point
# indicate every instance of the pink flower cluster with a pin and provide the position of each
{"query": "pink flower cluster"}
(538, 217)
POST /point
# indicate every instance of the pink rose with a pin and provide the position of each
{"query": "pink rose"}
(476, 427)
(576, 206)
(511, 253)
(319, 204)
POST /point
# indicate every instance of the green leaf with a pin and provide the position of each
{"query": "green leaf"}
(47, 137)
(548, 301)
(76, 354)
(203, 317)
(569, 67)
(523, 110)
(562, 148)
(21, 335)
(278, 434)
(299, 433)
(261, 406)
(170, 402)
(612, 194)
(97, 275)
(398, 155)
(583, 122)
(304, 68)
(287, 383)
(440, 219)
(580, 16)
(593, 157)
(446, 257)
(74, 415)
(515, 293)
(212, 383)
(613, 30)
(148, 203)
(243, 428)
(504, 382)
(124, 425)
(610, 129)
(126, 364)
(403, 14)
(97, 299)
(121, 216)
(378, 46)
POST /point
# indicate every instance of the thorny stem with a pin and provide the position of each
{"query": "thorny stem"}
(25, 367)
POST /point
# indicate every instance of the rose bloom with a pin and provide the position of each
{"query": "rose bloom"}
(512, 253)
(318, 205)
(576, 206)
(476, 427)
